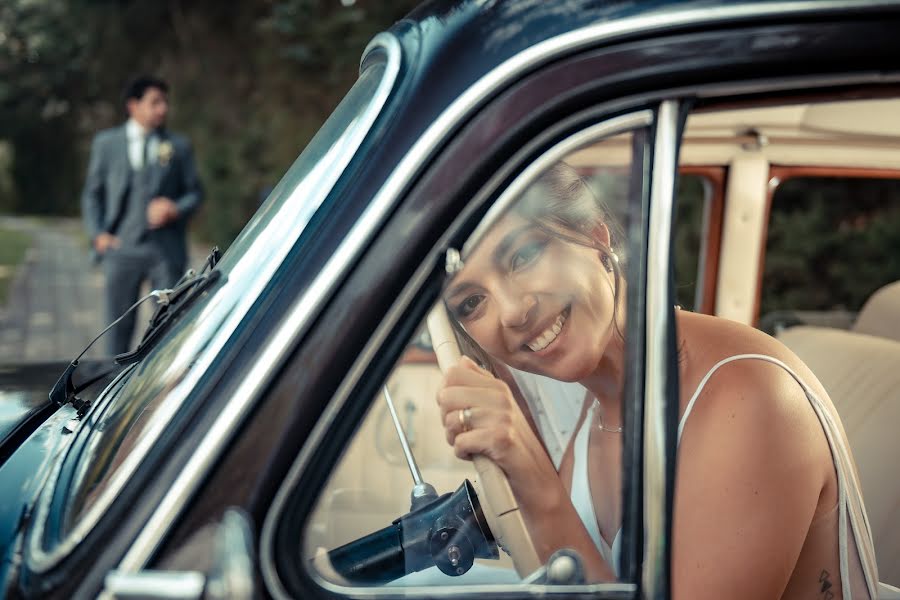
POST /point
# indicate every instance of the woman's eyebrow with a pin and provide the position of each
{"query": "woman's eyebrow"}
(509, 241)
(497, 256)
(458, 289)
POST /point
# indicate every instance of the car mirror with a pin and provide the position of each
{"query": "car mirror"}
(231, 575)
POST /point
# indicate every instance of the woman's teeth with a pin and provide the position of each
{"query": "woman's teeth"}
(545, 338)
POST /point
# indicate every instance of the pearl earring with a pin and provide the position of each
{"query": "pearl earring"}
(605, 260)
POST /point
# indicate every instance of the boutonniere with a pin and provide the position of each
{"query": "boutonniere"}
(166, 152)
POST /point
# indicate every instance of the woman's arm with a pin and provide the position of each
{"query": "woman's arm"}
(752, 463)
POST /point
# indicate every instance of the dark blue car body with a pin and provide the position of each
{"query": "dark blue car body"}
(476, 83)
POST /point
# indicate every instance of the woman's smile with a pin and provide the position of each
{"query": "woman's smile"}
(544, 340)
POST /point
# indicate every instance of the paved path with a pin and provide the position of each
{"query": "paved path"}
(55, 305)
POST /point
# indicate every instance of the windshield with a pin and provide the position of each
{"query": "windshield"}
(141, 406)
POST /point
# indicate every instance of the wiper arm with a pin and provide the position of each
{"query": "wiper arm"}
(171, 302)
(65, 390)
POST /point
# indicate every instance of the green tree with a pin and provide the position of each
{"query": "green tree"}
(831, 243)
(251, 83)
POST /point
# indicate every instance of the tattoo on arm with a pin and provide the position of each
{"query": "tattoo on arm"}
(825, 585)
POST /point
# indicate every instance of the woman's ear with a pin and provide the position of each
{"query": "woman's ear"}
(600, 235)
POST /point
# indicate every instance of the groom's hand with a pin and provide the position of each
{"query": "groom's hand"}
(160, 212)
(104, 241)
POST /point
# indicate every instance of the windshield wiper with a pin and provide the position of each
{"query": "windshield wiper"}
(170, 303)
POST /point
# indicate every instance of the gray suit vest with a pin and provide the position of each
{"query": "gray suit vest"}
(132, 226)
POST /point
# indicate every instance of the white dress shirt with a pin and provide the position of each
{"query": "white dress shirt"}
(136, 134)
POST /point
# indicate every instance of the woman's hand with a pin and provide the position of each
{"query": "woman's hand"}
(495, 428)
(498, 429)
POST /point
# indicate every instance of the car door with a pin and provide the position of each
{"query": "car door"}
(389, 292)
(324, 519)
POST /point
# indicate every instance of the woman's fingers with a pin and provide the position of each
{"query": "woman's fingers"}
(495, 443)
(472, 400)
(467, 384)
(459, 421)
(456, 397)
(466, 372)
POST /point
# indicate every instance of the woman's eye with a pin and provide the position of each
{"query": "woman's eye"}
(468, 306)
(526, 254)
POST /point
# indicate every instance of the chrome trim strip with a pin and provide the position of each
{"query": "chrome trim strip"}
(604, 129)
(662, 190)
(229, 417)
(418, 155)
(502, 590)
(178, 585)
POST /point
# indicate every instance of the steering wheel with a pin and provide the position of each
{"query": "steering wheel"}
(501, 510)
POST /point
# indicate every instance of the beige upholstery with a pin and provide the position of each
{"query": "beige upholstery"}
(880, 315)
(862, 375)
(742, 240)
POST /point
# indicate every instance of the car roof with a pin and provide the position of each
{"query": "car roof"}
(457, 55)
(456, 43)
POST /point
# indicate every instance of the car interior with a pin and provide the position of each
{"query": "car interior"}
(856, 360)
(734, 262)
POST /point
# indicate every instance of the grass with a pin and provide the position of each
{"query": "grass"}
(13, 246)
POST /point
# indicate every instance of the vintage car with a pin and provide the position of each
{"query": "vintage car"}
(276, 432)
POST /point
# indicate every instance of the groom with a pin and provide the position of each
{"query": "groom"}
(141, 189)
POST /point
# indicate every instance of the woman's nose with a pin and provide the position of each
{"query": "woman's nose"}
(516, 309)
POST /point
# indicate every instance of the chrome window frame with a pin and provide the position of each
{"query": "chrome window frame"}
(657, 522)
(642, 118)
(303, 311)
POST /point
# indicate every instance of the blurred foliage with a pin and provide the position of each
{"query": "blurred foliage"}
(831, 243)
(251, 82)
(690, 204)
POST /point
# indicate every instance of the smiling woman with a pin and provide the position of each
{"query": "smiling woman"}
(542, 292)
(544, 275)
(558, 237)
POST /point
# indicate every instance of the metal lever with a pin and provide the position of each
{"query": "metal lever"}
(422, 492)
(564, 567)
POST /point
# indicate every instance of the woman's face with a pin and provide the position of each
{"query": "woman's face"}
(534, 301)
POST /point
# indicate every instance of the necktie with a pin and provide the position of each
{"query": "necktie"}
(145, 152)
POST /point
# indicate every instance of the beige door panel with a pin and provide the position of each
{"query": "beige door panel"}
(372, 483)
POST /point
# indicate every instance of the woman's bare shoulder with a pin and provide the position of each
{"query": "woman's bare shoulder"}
(754, 467)
(765, 390)
(705, 340)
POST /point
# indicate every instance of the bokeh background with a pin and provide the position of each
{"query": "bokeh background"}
(251, 81)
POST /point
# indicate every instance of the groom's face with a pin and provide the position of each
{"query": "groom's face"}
(150, 110)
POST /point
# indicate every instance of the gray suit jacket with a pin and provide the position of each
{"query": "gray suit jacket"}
(107, 183)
